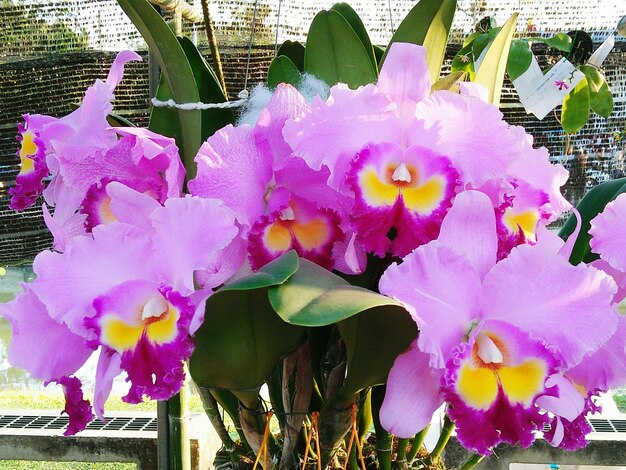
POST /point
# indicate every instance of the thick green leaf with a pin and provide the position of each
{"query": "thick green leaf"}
(492, 68)
(448, 82)
(165, 120)
(314, 296)
(590, 206)
(354, 20)
(373, 339)
(463, 61)
(575, 110)
(561, 41)
(282, 70)
(115, 120)
(520, 58)
(175, 66)
(295, 51)
(334, 52)
(209, 89)
(480, 44)
(600, 96)
(428, 24)
(242, 338)
(379, 52)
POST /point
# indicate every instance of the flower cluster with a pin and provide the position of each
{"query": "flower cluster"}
(436, 184)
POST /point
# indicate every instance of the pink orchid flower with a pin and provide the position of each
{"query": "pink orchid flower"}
(127, 289)
(494, 337)
(280, 202)
(403, 153)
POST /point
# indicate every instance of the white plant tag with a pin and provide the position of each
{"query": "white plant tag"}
(541, 93)
(602, 52)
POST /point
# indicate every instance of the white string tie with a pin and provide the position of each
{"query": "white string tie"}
(243, 99)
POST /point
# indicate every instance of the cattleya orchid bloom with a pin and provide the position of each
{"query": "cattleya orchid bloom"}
(497, 339)
(403, 153)
(126, 288)
(83, 154)
(279, 201)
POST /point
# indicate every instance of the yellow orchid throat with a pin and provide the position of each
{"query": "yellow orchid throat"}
(402, 181)
(157, 319)
(27, 150)
(482, 376)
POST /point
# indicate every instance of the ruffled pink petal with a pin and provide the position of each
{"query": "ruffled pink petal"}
(412, 394)
(67, 283)
(29, 181)
(303, 227)
(223, 265)
(567, 306)
(533, 166)
(441, 291)
(152, 152)
(471, 133)
(63, 231)
(131, 207)
(469, 229)
(233, 169)
(474, 90)
(618, 276)
(331, 133)
(77, 408)
(117, 68)
(404, 77)
(286, 103)
(401, 197)
(567, 403)
(188, 234)
(608, 234)
(149, 327)
(519, 216)
(44, 347)
(503, 415)
(604, 369)
(571, 435)
(109, 367)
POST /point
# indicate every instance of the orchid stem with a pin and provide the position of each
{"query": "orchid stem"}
(401, 452)
(444, 437)
(471, 462)
(384, 440)
(418, 440)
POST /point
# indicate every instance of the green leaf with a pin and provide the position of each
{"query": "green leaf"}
(373, 339)
(492, 68)
(295, 51)
(575, 110)
(600, 96)
(209, 89)
(561, 41)
(590, 206)
(463, 61)
(448, 82)
(479, 44)
(115, 120)
(314, 296)
(354, 20)
(428, 24)
(520, 58)
(178, 74)
(334, 52)
(242, 338)
(282, 70)
(379, 52)
(165, 120)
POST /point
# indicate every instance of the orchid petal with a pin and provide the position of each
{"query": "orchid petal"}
(568, 306)
(188, 234)
(569, 403)
(130, 206)
(469, 228)
(117, 68)
(608, 234)
(441, 291)
(412, 394)
(39, 344)
(109, 367)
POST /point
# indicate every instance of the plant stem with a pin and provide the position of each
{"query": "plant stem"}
(471, 462)
(418, 440)
(212, 411)
(384, 440)
(212, 39)
(180, 451)
(444, 437)
(402, 445)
